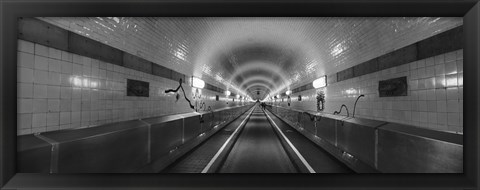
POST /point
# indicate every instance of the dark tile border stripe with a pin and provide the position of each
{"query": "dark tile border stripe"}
(213, 88)
(303, 88)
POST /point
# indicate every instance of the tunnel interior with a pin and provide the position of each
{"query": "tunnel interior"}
(200, 94)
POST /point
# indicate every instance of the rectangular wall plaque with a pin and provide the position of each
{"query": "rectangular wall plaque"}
(137, 88)
(393, 87)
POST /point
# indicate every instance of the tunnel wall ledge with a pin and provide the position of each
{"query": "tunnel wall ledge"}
(368, 145)
(143, 145)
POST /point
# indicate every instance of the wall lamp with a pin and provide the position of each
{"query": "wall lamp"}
(320, 82)
(288, 92)
(198, 83)
(227, 93)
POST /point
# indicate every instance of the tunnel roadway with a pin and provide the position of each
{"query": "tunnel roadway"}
(256, 147)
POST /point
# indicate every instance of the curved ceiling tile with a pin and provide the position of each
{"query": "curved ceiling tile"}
(247, 69)
(251, 84)
(247, 76)
(259, 85)
(258, 91)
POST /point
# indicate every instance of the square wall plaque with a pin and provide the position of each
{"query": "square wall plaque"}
(137, 88)
(393, 87)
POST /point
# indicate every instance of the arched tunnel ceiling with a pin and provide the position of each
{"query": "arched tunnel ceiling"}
(226, 52)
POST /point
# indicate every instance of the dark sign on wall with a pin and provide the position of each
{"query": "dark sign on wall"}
(393, 87)
(137, 88)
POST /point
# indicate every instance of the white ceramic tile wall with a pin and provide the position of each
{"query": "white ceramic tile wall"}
(59, 90)
(434, 100)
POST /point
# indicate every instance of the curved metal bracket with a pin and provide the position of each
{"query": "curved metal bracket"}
(176, 90)
(354, 106)
(340, 111)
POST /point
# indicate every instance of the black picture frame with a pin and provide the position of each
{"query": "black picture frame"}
(11, 10)
(138, 88)
(393, 87)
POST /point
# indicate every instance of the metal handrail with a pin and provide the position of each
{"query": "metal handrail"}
(338, 112)
(354, 106)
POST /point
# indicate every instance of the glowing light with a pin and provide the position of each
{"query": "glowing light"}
(228, 93)
(237, 96)
(320, 82)
(198, 83)
(288, 92)
(278, 96)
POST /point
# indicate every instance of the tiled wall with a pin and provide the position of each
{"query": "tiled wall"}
(434, 100)
(59, 90)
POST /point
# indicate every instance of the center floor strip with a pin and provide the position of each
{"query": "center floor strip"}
(258, 149)
(205, 170)
(310, 169)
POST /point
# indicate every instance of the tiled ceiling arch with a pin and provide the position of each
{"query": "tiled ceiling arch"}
(222, 50)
